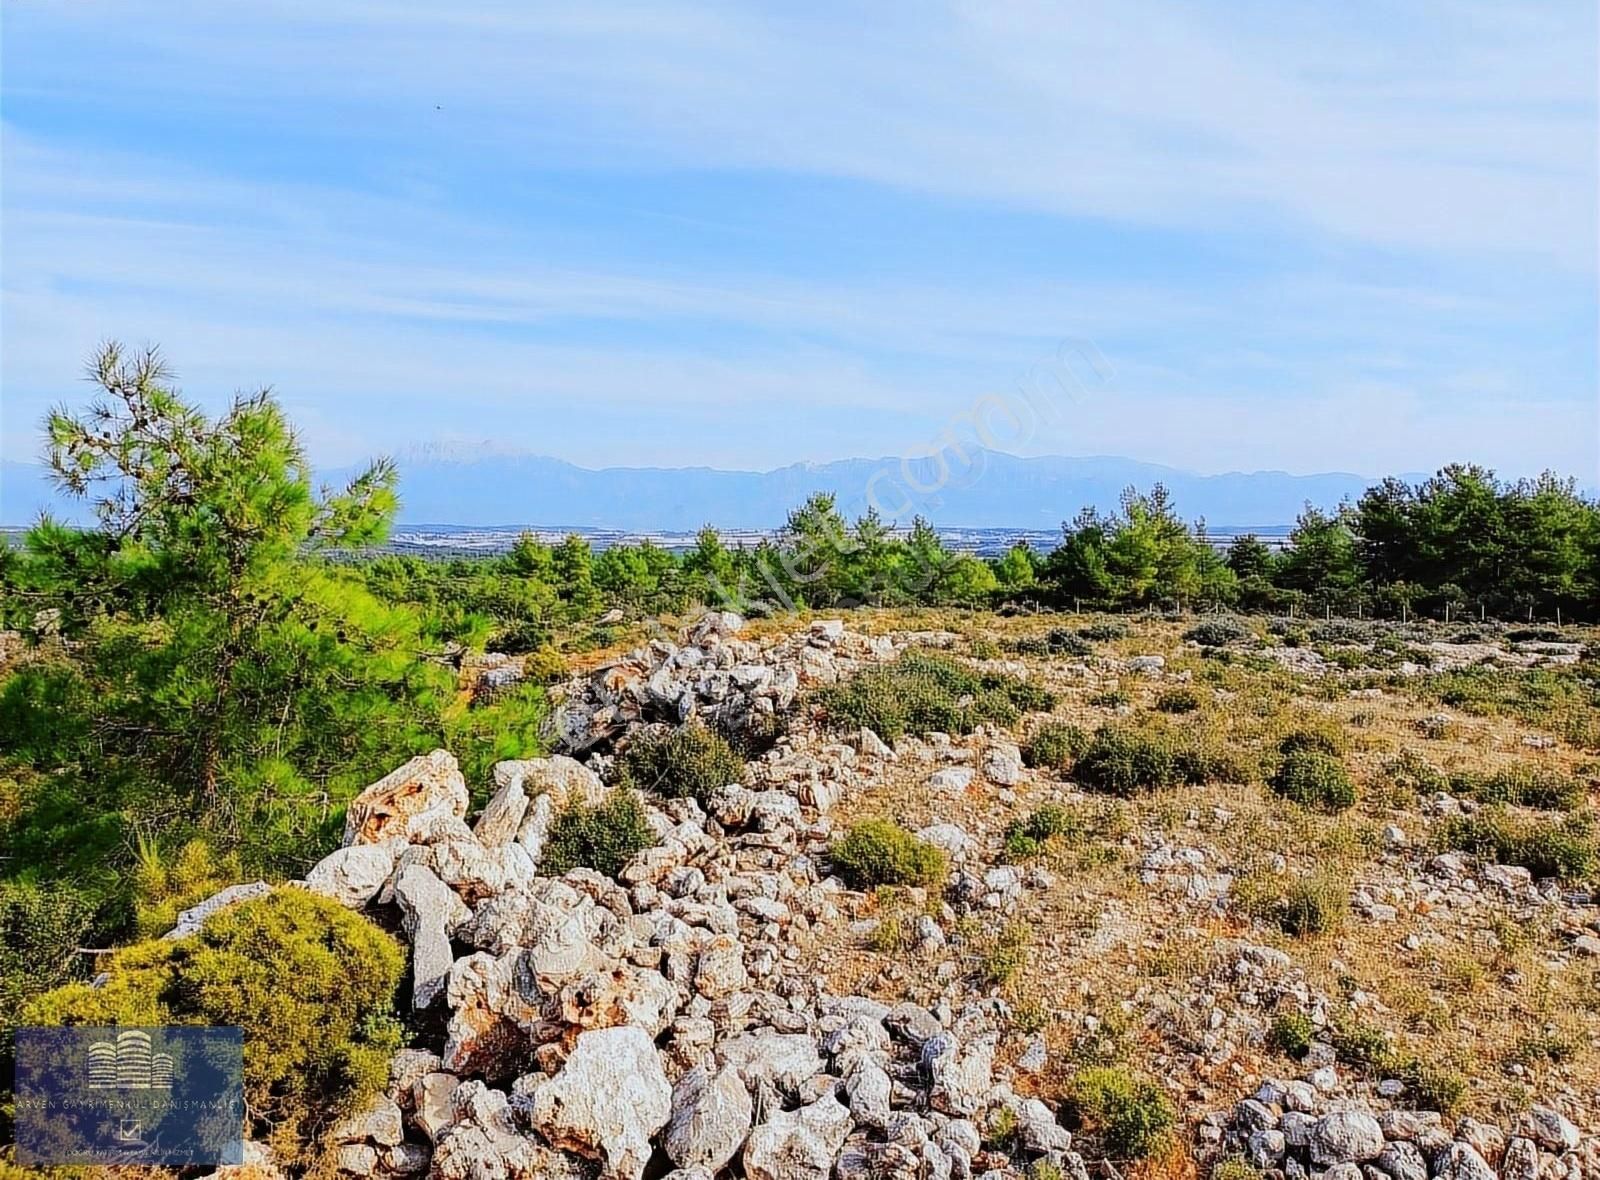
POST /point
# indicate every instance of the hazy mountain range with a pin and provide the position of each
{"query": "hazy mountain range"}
(442, 485)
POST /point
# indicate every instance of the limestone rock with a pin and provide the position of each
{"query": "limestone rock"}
(501, 819)
(353, 876)
(564, 779)
(786, 1060)
(431, 911)
(1346, 1136)
(797, 1145)
(1550, 1129)
(1002, 763)
(610, 1097)
(395, 805)
(711, 1115)
(1461, 1161)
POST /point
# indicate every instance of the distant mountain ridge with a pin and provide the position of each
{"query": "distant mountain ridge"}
(452, 485)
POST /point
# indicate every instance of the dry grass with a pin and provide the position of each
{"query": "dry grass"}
(1109, 975)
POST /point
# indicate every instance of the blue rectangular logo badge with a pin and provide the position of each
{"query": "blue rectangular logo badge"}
(160, 1096)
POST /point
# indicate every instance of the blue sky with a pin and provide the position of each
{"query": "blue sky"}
(1309, 237)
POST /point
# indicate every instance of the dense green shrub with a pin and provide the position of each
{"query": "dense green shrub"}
(1132, 1115)
(923, 692)
(1217, 632)
(1291, 1034)
(1054, 745)
(1314, 780)
(1205, 756)
(1180, 699)
(602, 836)
(880, 852)
(1301, 906)
(545, 665)
(1002, 957)
(1027, 836)
(1235, 1167)
(310, 982)
(1123, 760)
(1546, 848)
(688, 762)
(41, 926)
(164, 885)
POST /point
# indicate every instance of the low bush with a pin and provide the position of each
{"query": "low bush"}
(1124, 760)
(1054, 745)
(1059, 642)
(1343, 631)
(164, 885)
(1564, 849)
(1131, 1115)
(923, 692)
(602, 836)
(1540, 787)
(1027, 836)
(1111, 698)
(1217, 632)
(1002, 957)
(880, 852)
(1314, 780)
(1182, 699)
(1312, 741)
(310, 982)
(1313, 905)
(1371, 1050)
(1301, 906)
(545, 665)
(1235, 1167)
(1104, 630)
(688, 762)
(1410, 776)
(1291, 1034)
(41, 927)
(1205, 756)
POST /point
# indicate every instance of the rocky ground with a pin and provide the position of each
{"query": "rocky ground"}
(730, 1007)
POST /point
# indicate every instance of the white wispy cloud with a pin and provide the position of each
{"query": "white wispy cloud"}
(1453, 143)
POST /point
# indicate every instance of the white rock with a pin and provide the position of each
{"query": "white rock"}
(1346, 1136)
(1550, 1128)
(1002, 763)
(710, 1118)
(610, 1097)
(407, 798)
(951, 837)
(353, 876)
(952, 780)
(1461, 1161)
(798, 1145)
(502, 817)
(431, 911)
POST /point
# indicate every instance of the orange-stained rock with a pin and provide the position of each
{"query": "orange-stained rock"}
(399, 804)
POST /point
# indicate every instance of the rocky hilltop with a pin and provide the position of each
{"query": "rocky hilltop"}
(728, 1006)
